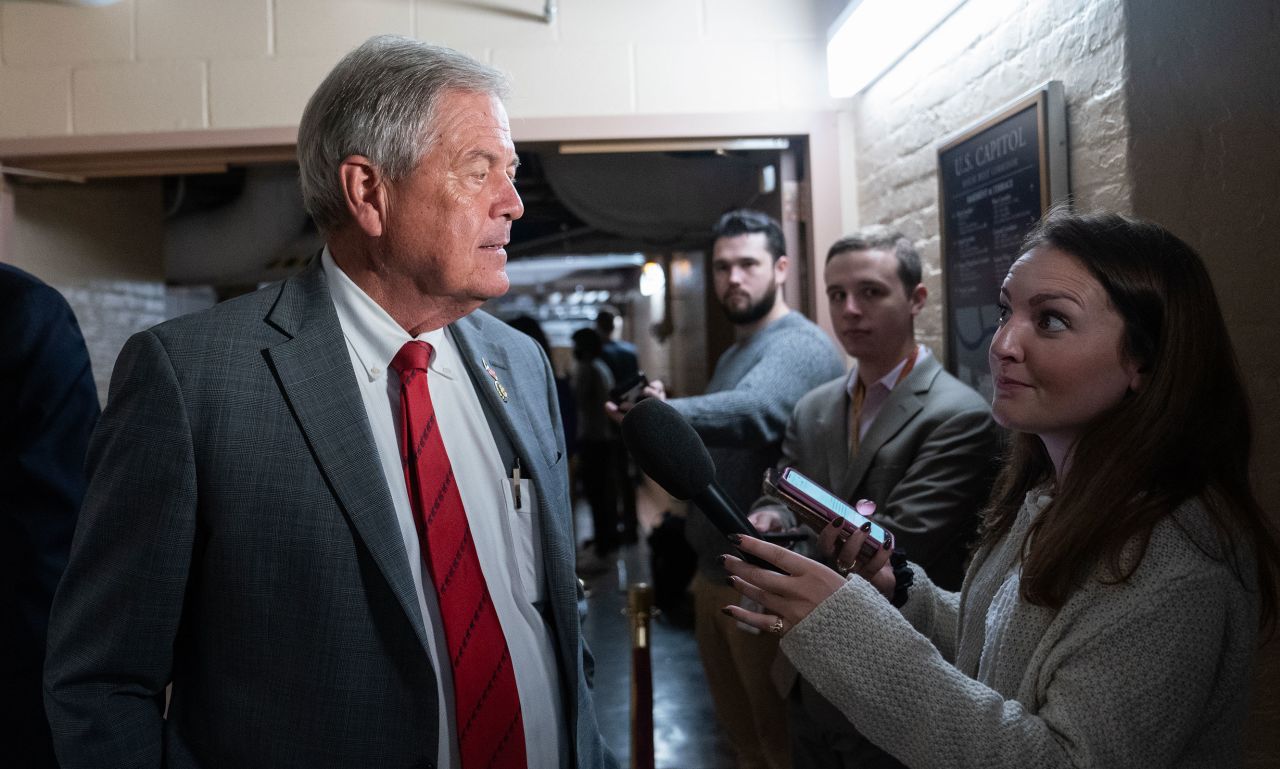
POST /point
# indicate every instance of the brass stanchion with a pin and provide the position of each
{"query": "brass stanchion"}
(640, 608)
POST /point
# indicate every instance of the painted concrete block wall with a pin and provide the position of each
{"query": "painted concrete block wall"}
(163, 65)
(988, 53)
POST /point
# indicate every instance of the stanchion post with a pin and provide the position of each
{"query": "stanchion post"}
(640, 608)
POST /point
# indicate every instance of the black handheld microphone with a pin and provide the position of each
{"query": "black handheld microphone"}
(669, 451)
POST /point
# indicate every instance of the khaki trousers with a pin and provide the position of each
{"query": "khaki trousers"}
(737, 665)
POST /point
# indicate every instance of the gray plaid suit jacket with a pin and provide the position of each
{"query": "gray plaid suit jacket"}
(238, 540)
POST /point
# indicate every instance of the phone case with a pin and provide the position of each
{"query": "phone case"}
(816, 514)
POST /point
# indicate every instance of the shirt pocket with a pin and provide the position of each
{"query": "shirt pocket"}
(526, 543)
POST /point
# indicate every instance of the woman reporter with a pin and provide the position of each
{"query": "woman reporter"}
(1110, 615)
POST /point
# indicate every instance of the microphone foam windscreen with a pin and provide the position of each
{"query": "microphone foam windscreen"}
(667, 448)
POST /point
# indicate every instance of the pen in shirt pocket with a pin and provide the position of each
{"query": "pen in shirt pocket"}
(515, 483)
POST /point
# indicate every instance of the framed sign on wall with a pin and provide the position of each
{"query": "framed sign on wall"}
(996, 179)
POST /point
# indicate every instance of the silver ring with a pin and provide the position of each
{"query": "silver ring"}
(776, 627)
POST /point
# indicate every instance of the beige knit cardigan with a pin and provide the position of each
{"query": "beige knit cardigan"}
(1153, 672)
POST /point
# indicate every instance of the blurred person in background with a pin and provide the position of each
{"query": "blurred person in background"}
(777, 356)
(48, 408)
(564, 388)
(592, 383)
(624, 364)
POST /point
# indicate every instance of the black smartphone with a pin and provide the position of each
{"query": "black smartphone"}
(817, 507)
(631, 391)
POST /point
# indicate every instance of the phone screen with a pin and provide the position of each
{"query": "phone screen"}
(830, 501)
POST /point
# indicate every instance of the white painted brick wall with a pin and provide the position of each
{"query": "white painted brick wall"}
(159, 65)
(989, 53)
(109, 312)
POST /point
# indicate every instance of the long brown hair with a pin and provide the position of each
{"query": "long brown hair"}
(1185, 435)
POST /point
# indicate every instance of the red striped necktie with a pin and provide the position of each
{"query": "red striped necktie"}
(486, 701)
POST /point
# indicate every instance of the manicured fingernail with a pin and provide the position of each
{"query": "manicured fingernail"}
(723, 557)
(735, 539)
(838, 522)
(729, 581)
(888, 540)
(866, 526)
(725, 611)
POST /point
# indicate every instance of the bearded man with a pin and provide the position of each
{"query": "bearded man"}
(777, 356)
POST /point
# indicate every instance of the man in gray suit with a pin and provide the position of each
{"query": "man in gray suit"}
(255, 581)
(898, 430)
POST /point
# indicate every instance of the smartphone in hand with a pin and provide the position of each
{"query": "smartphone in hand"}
(817, 507)
(631, 391)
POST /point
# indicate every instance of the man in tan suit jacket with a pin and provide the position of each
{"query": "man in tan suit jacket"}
(898, 430)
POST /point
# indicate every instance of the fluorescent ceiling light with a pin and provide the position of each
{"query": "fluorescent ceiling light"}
(672, 145)
(872, 35)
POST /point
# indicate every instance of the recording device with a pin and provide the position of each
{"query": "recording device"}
(669, 451)
(817, 507)
(631, 391)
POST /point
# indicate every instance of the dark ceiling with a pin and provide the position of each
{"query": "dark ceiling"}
(628, 202)
(247, 225)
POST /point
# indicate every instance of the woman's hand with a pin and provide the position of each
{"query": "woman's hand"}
(789, 597)
(848, 559)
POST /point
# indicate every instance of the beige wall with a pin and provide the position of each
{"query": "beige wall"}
(1205, 156)
(1204, 151)
(162, 65)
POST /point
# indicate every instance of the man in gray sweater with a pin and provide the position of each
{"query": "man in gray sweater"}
(777, 356)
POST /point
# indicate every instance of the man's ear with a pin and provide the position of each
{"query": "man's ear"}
(780, 267)
(918, 296)
(364, 190)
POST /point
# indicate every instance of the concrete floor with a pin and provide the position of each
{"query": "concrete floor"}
(685, 732)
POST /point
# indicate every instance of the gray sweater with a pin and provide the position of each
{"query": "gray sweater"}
(745, 410)
(1152, 672)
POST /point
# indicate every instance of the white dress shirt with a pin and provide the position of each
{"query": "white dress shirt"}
(506, 539)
